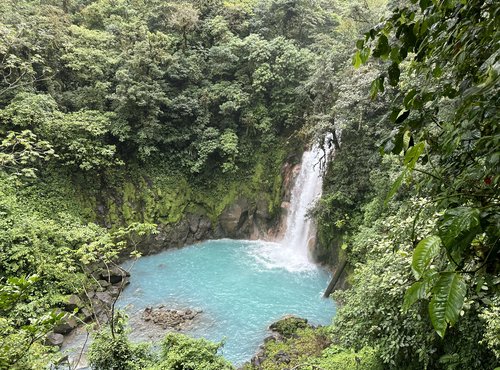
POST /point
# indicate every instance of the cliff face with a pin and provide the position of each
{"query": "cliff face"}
(260, 215)
(242, 219)
(252, 206)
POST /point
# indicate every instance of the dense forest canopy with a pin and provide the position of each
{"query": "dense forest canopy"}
(92, 91)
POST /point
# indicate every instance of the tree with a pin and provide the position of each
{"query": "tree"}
(184, 18)
(31, 39)
(38, 130)
(299, 20)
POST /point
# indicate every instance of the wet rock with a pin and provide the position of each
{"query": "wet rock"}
(67, 324)
(54, 339)
(168, 318)
(114, 274)
(73, 302)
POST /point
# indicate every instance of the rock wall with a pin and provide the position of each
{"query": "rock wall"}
(253, 206)
(244, 218)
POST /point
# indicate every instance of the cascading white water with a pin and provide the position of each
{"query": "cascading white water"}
(292, 253)
(307, 188)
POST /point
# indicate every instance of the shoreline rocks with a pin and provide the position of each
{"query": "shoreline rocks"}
(94, 305)
(113, 275)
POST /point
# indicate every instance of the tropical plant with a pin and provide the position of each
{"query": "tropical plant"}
(446, 123)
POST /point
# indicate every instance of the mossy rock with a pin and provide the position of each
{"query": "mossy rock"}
(289, 325)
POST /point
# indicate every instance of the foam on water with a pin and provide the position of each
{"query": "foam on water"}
(238, 288)
(276, 256)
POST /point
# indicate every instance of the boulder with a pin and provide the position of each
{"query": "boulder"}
(289, 325)
(234, 216)
(67, 324)
(90, 294)
(204, 228)
(282, 357)
(105, 297)
(258, 359)
(73, 302)
(85, 314)
(263, 209)
(54, 339)
(194, 222)
(168, 318)
(177, 234)
(103, 283)
(114, 291)
(114, 274)
(274, 337)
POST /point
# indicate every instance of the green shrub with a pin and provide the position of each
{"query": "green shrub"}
(338, 358)
(180, 352)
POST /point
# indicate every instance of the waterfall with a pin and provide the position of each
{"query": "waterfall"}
(307, 189)
(292, 253)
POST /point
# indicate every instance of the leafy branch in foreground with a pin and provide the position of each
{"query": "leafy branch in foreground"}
(18, 339)
(444, 57)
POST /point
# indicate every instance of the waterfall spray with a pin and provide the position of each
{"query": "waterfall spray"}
(292, 252)
(307, 189)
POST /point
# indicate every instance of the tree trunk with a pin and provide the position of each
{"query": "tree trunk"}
(335, 279)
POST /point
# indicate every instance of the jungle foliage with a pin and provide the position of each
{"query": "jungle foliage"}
(424, 240)
(92, 91)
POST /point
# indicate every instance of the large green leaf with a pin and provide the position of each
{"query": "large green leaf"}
(424, 253)
(414, 293)
(413, 154)
(458, 228)
(447, 300)
(356, 60)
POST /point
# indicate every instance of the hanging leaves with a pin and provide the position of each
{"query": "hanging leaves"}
(447, 301)
(424, 253)
(394, 74)
(458, 228)
(377, 86)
